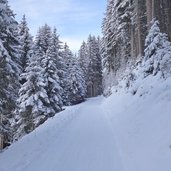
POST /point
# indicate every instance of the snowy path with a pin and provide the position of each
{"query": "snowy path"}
(85, 143)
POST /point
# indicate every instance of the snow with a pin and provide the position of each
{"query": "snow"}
(80, 138)
(123, 132)
(142, 126)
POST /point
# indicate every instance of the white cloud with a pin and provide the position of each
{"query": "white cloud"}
(42, 8)
(73, 43)
(37, 8)
(73, 18)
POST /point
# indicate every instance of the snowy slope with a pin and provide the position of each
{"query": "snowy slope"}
(142, 125)
(124, 132)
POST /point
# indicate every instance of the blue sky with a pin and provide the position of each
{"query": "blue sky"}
(74, 19)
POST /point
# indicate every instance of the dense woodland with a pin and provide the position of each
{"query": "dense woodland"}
(41, 75)
(38, 77)
(125, 27)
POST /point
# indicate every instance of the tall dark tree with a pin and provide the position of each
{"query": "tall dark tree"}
(67, 56)
(83, 59)
(43, 37)
(26, 42)
(94, 68)
(9, 69)
(76, 83)
(58, 56)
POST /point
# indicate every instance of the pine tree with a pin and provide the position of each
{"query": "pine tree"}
(83, 59)
(26, 42)
(57, 51)
(43, 38)
(33, 99)
(40, 96)
(94, 68)
(52, 81)
(9, 69)
(73, 79)
(108, 35)
(67, 56)
(117, 35)
(158, 52)
(76, 86)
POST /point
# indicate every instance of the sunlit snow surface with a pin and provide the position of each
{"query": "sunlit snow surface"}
(123, 132)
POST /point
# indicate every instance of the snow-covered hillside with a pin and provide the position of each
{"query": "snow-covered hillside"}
(123, 132)
(141, 124)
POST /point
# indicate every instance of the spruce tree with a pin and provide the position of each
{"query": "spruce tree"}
(43, 38)
(9, 70)
(52, 81)
(33, 99)
(26, 42)
(40, 96)
(158, 52)
(117, 35)
(67, 56)
(58, 57)
(94, 68)
(83, 59)
(76, 86)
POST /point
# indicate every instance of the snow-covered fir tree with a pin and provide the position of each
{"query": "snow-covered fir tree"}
(57, 48)
(90, 61)
(73, 80)
(76, 87)
(108, 35)
(94, 80)
(67, 55)
(58, 56)
(116, 34)
(158, 52)
(33, 99)
(83, 59)
(43, 37)
(40, 95)
(26, 42)
(9, 70)
(52, 81)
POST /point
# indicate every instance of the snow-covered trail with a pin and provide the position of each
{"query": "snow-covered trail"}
(123, 132)
(85, 143)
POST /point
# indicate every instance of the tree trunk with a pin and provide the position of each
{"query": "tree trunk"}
(149, 6)
(1, 141)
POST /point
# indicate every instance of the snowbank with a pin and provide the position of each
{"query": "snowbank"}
(141, 123)
(124, 132)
